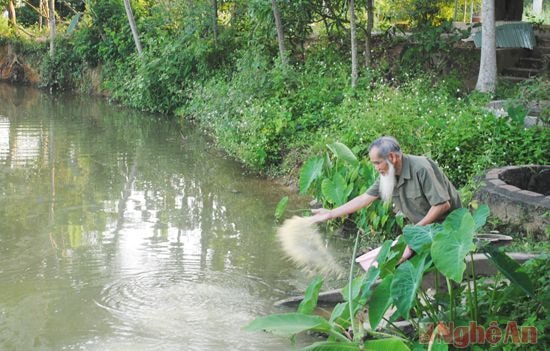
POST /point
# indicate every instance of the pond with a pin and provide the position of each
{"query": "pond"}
(121, 230)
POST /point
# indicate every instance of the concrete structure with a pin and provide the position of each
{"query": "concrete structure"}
(519, 196)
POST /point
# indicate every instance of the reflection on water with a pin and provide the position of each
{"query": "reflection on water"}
(119, 232)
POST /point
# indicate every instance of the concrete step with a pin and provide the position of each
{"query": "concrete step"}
(539, 51)
(543, 41)
(530, 62)
(521, 72)
(512, 79)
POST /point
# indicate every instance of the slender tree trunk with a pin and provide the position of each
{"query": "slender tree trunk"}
(455, 13)
(215, 19)
(354, 73)
(280, 33)
(51, 11)
(368, 38)
(11, 13)
(487, 79)
(537, 7)
(133, 26)
(40, 12)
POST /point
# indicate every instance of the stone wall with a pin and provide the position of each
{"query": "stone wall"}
(519, 196)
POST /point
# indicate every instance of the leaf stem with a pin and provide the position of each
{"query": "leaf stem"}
(475, 286)
(451, 300)
(350, 280)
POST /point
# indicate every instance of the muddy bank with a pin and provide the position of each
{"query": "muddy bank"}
(15, 69)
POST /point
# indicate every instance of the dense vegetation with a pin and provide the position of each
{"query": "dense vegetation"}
(272, 115)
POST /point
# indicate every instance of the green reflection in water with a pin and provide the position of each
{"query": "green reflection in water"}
(119, 231)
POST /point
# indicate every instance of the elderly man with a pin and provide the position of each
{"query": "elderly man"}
(415, 184)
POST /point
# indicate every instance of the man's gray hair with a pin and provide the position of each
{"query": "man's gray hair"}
(385, 145)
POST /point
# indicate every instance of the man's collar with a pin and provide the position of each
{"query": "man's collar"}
(405, 171)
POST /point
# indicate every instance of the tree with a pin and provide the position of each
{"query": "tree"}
(368, 36)
(537, 7)
(51, 10)
(11, 13)
(487, 78)
(215, 19)
(280, 33)
(133, 26)
(508, 10)
(354, 73)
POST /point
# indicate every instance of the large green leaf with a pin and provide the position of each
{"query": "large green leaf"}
(342, 152)
(311, 170)
(74, 22)
(309, 302)
(510, 268)
(420, 238)
(332, 346)
(406, 280)
(395, 254)
(390, 344)
(383, 253)
(336, 190)
(356, 284)
(380, 301)
(341, 310)
(288, 324)
(480, 216)
(452, 244)
(372, 276)
(281, 207)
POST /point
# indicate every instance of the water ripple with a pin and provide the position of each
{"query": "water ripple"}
(170, 309)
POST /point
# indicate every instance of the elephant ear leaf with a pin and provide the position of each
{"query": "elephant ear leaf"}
(420, 238)
(308, 304)
(288, 324)
(480, 216)
(405, 283)
(452, 244)
(281, 207)
(342, 152)
(511, 269)
(335, 190)
(311, 170)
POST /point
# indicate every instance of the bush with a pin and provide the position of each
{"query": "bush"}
(63, 71)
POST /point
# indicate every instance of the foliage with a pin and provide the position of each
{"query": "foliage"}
(5, 28)
(63, 70)
(337, 177)
(431, 48)
(440, 249)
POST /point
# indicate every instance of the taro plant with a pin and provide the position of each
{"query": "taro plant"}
(338, 176)
(390, 291)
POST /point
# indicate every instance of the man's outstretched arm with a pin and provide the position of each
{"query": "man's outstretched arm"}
(353, 205)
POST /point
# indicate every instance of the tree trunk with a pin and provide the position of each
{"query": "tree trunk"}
(537, 7)
(40, 10)
(215, 19)
(508, 10)
(11, 13)
(133, 26)
(354, 73)
(486, 81)
(51, 11)
(280, 33)
(368, 38)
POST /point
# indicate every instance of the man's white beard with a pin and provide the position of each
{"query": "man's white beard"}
(387, 183)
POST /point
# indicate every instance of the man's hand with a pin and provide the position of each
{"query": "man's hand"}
(406, 254)
(321, 215)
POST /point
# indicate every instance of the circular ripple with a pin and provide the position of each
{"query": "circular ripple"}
(205, 314)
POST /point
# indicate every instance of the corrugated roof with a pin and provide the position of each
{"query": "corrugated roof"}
(511, 35)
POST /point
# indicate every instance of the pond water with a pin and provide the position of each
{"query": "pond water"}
(125, 231)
